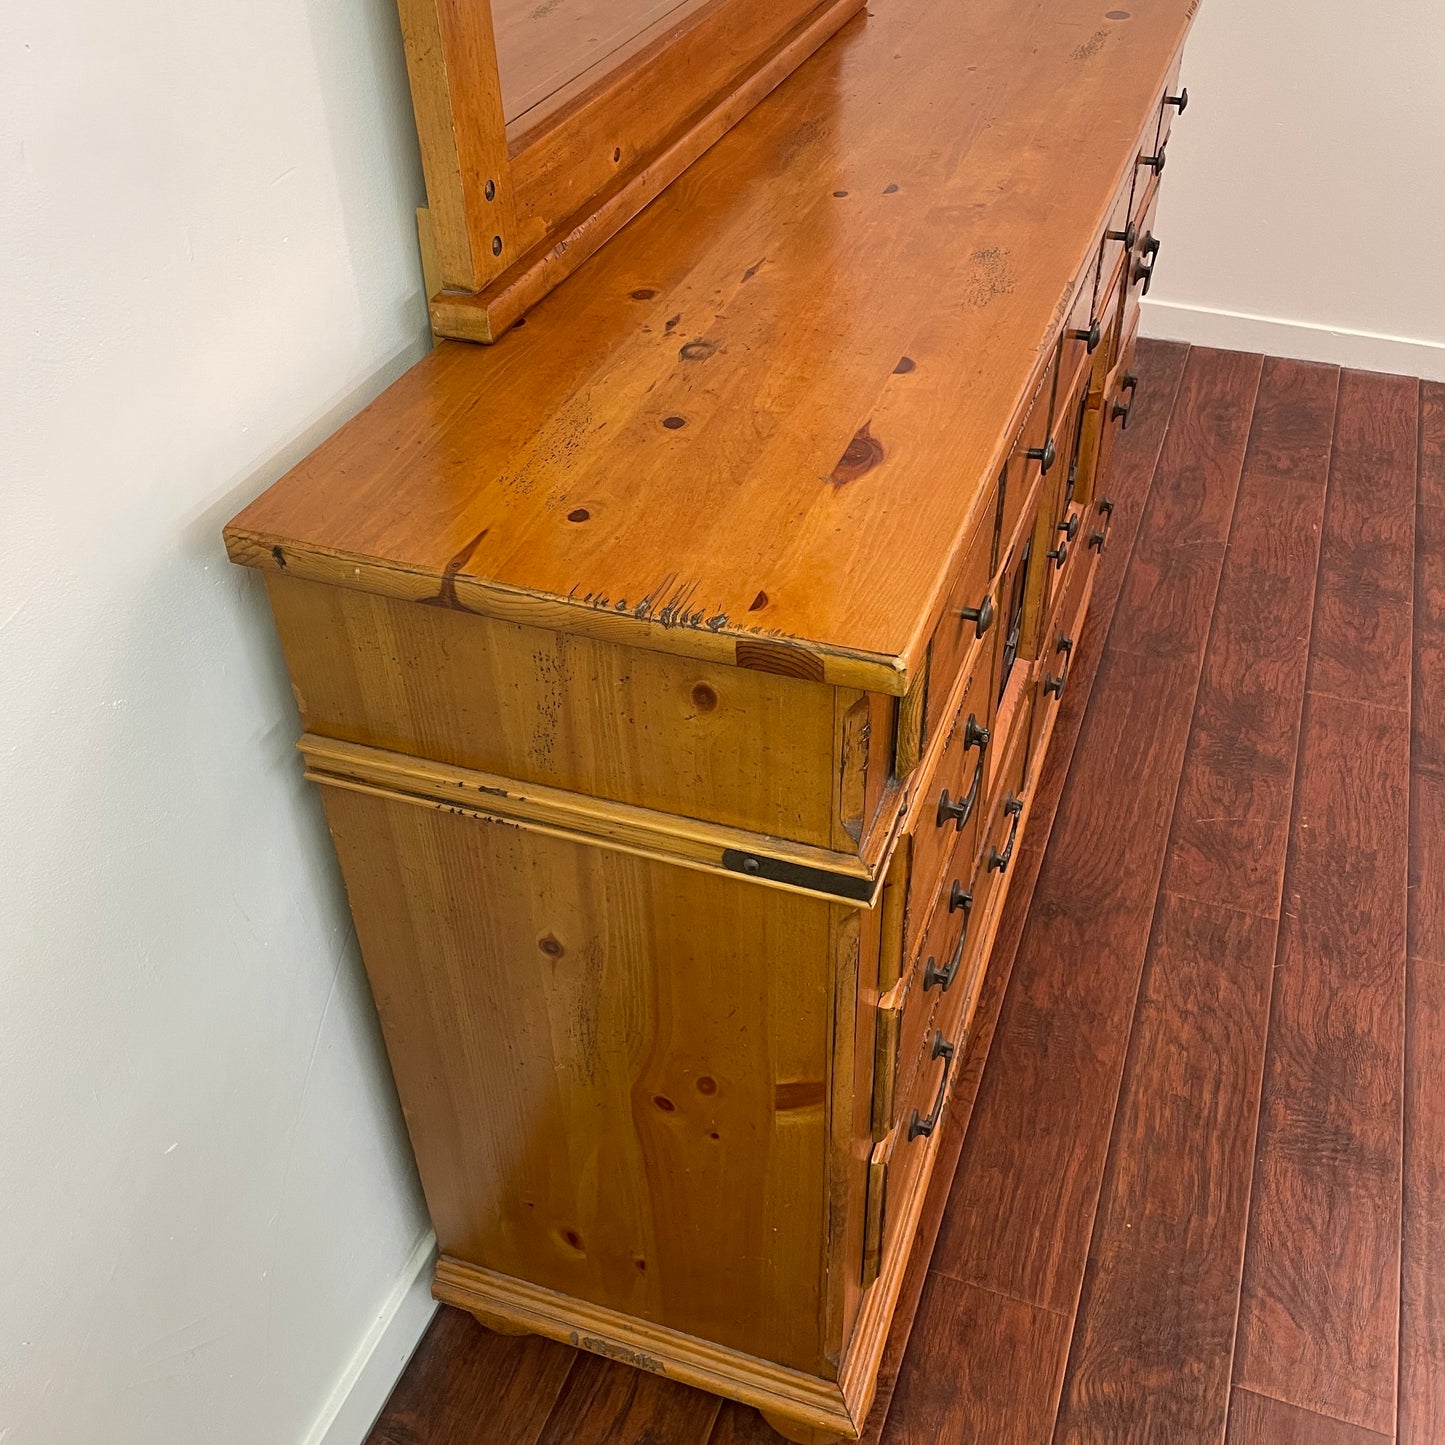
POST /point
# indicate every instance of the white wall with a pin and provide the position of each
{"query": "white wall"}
(1304, 205)
(206, 263)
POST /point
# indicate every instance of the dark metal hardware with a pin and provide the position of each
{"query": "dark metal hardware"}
(1070, 526)
(1060, 554)
(797, 875)
(1098, 539)
(981, 616)
(959, 898)
(944, 977)
(1155, 163)
(1091, 337)
(1123, 409)
(961, 809)
(1144, 269)
(946, 1051)
(1180, 101)
(1129, 236)
(1013, 807)
(1045, 455)
(1055, 685)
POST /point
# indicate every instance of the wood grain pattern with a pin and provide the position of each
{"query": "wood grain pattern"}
(1022, 1210)
(1319, 1312)
(468, 1386)
(695, 390)
(604, 1403)
(1432, 444)
(1168, 595)
(1427, 741)
(1232, 815)
(650, 1133)
(1422, 1288)
(985, 1338)
(1259, 1420)
(1363, 613)
(1150, 1358)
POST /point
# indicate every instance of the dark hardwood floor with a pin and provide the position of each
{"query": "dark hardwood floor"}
(1200, 1133)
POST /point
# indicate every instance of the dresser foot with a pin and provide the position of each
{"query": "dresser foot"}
(801, 1434)
(497, 1324)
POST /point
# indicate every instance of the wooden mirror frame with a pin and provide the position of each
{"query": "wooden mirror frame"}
(507, 219)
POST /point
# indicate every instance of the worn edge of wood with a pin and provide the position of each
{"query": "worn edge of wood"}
(789, 1394)
(837, 667)
(484, 315)
(626, 827)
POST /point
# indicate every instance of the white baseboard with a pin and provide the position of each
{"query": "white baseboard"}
(381, 1357)
(1302, 340)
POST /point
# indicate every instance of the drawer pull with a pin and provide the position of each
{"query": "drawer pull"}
(959, 898)
(1122, 409)
(932, 974)
(1044, 456)
(1180, 102)
(961, 810)
(1129, 236)
(1091, 338)
(997, 861)
(981, 616)
(1099, 538)
(1060, 554)
(1144, 266)
(1069, 527)
(917, 1125)
(1154, 163)
(1055, 685)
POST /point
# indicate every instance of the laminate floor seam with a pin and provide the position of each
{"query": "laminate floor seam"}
(1309, 1410)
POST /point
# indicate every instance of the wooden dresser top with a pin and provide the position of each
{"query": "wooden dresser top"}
(763, 414)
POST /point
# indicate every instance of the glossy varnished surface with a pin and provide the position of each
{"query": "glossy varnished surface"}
(1240, 1064)
(764, 413)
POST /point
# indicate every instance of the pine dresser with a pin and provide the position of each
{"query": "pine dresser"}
(677, 673)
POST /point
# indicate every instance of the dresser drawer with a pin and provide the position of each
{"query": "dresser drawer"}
(968, 619)
(1060, 639)
(1033, 455)
(945, 819)
(1085, 331)
(1174, 102)
(897, 1163)
(1140, 272)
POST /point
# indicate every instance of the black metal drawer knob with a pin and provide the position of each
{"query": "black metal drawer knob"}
(981, 616)
(1154, 163)
(1180, 102)
(1099, 538)
(1091, 338)
(1045, 456)
(1070, 527)
(1059, 554)
(1129, 236)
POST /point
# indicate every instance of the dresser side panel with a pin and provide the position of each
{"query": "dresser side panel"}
(615, 1071)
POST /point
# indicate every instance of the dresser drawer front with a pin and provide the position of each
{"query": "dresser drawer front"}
(1034, 445)
(965, 632)
(946, 818)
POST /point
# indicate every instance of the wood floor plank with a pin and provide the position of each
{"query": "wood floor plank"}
(606, 1403)
(1258, 1420)
(968, 1341)
(1362, 614)
(1022, 1208)
(1320, 1302)
(468, 1386)
(1168, 593)
(1432, 444)
(1160, 366)
(1232, 817)
(1427, 742)
(1422, 1291)
(1150, 1358)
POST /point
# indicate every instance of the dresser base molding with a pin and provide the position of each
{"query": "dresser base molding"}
(785, 1396)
